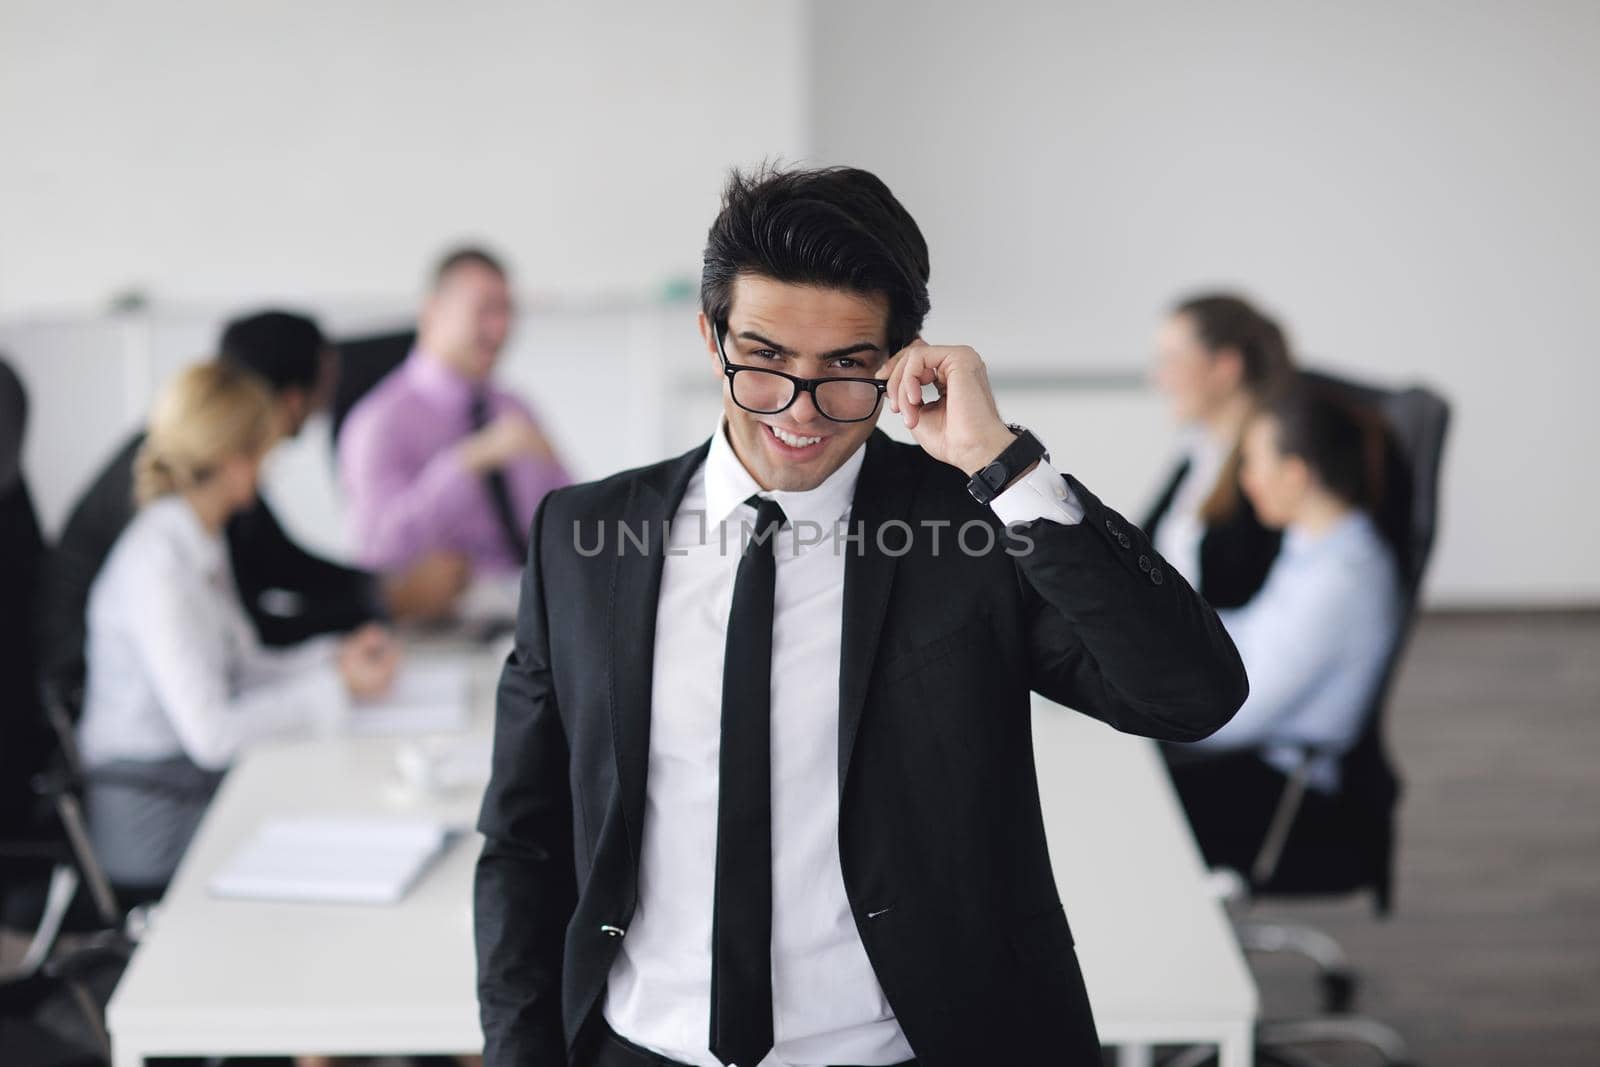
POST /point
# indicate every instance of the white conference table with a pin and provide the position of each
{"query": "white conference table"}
(234, 977)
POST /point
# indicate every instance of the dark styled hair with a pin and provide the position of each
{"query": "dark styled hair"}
(1224, 321)
(282, 348)
(1342, 443)
(835, 227)
(466, 256)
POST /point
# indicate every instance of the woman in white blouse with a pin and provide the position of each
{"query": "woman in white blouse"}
(1316, 638)
(178, 681)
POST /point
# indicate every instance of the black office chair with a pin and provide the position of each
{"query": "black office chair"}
(23, 743)
(44, 853)
(363, 363)
(37, 883)
(1349, 846)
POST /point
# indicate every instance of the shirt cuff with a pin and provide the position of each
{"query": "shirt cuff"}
(1040, 494)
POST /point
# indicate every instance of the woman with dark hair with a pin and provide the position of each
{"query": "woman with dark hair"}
(1217, 357)
(1315, 638)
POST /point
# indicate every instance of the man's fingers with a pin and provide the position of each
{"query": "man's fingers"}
(911, 376)
(890, 372)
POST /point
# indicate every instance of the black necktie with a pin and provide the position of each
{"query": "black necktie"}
(499, 491)
(741, 925)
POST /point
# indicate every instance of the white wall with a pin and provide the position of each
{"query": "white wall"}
(223, 157)
(257, 150)
(1412, 186)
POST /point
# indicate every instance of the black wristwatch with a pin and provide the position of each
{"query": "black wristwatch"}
(1018, 456)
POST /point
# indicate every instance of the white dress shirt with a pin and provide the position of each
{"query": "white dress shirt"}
(1181, 530)
(827, 1004)
(175, 666)
(1314, 642)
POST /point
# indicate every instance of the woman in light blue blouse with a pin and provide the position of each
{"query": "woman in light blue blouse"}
(1315, 639)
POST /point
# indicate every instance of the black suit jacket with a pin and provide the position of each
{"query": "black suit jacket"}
(1235, 555)
(941, 839)
(328, 597)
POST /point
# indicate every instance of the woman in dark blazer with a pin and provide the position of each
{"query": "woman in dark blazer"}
(1218, 356)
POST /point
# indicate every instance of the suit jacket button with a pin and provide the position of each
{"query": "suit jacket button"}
(1156, 577)
(1144, 564)
(1111, 528)
(611, 931)
(1122, 539)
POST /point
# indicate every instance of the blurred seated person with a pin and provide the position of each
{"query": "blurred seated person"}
(1315, 639)
(24, 741)
(289, 593)
(178, 682)
(436, 457)
(1217, 357)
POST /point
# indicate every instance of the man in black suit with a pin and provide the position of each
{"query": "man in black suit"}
(763, 786)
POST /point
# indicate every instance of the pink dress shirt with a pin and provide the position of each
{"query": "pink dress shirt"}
(406, 488)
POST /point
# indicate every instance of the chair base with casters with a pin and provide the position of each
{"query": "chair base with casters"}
(76, 984)
(1334, 975)
(1318, 850)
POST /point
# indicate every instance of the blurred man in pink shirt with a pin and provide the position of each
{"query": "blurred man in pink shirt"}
(436, 457)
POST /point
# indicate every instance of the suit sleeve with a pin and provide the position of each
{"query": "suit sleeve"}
(332, 598)
(1116, 633)
(525, 890)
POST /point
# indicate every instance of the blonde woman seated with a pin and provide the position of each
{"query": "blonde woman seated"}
(178, 682)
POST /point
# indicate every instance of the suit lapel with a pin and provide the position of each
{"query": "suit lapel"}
(653, 500)
(883, 494)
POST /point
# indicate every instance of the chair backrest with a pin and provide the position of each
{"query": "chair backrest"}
(1415, 420)
(24, 743)
(363, 363)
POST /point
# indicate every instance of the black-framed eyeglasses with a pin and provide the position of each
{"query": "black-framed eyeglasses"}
(766, 392)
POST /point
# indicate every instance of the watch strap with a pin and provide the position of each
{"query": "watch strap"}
(989, 482)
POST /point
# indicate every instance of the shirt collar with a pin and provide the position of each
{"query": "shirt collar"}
(437, 381)
(729, 484)
(207, 550)
(1297, 540)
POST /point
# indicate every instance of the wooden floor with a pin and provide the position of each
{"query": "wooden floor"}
(1493, 953)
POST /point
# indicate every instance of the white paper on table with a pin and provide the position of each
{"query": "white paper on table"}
(427, 697)
(338, 859)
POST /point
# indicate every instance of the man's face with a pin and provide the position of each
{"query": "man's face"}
(809, 332)
(466, 319)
